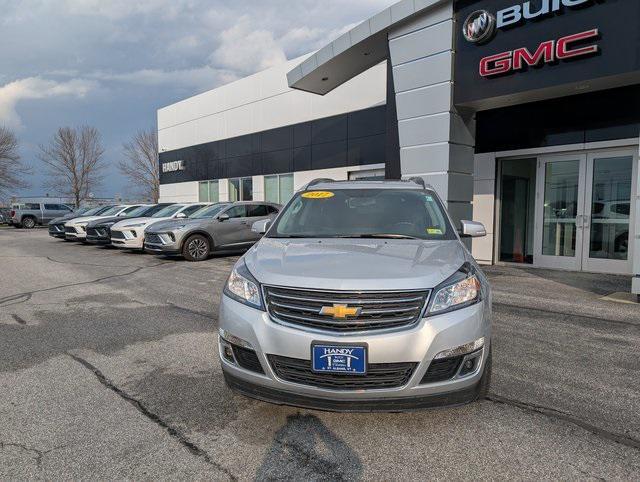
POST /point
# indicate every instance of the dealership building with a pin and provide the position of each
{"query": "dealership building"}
(524, 115)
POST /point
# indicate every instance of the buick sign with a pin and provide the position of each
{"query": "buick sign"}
(173, 166)
(479, 26)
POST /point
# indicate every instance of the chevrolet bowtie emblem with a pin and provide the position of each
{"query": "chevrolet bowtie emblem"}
(340, 311)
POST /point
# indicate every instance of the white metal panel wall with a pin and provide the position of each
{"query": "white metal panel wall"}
(260, 102)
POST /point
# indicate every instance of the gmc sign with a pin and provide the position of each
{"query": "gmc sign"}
(547, 52)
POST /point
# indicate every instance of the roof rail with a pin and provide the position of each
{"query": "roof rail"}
(318, 181)
(417, 180)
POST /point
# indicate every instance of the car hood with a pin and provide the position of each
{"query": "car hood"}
(61, 219)
(84, 219)
(353, 264)
(108, 219)
(127, 221)
(171, 224)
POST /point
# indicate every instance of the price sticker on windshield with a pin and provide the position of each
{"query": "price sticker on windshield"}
(434, 231)
(317, 194)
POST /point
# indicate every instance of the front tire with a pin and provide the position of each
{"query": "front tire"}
(196, 248)
(28, 223)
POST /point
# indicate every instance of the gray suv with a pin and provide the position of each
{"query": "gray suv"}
(361, 296)
(219, 227)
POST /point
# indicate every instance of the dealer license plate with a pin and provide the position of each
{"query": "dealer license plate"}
(347, 359)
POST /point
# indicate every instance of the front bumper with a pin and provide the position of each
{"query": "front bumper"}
(76, 235)
(98, 240)
(130, 238)
(162, 243)
(417, 344)
(57, 232)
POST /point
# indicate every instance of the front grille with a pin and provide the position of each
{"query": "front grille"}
(117, 235)
(70, 230)
(247, 359)
(56, 228)
(379, 310)
(379, 375)
(441, 370)
(98, 232)
(152, 238)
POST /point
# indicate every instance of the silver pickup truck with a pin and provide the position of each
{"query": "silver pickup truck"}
(30, 215)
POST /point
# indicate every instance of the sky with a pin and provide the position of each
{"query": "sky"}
(112, 63)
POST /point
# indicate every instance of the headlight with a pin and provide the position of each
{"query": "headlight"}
(243, 287)
(459, 291)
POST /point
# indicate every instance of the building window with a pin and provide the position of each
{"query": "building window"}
(278, 188)
(241, 189)
(208, 192)
(368, 175)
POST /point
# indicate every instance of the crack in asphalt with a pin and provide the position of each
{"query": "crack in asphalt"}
(39, 454)
(567, 417)
(563, 313)
(153, 417)
(27, 295)
(189, 310)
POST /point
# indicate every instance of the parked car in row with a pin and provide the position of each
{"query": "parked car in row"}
(130, 234)
(220, 227)
(99, 230)
(30, 215)
(193, 230)
(56, 226)
(76, 229)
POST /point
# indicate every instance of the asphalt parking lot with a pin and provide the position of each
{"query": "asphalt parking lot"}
(109, 369)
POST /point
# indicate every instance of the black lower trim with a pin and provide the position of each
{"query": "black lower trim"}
(404, 404)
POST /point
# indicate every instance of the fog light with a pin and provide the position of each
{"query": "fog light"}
(468, 366)
(227, 352)
(462, 349)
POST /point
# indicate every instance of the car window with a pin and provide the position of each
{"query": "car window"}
(168, 211)
(138, 211)
(237, 212)
(32, 206)
(192, 209)
(129, 210)
(112, 211)
(257, 210)
(52, 207)
(272, 209)
(151, 210)
(208, 211)
(362, 213)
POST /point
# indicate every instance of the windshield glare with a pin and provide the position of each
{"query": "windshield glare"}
(364, 213)
(168, 211)
(208, 212)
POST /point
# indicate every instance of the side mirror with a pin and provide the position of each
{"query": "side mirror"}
(472, 229)
(181, 216)
(223, 217)
(261, 227)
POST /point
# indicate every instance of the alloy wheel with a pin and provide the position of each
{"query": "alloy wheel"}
(198, 248)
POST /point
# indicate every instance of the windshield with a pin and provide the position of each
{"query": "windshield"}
(208, 212)
(112, 211)
(168, 211)
(89, 212)
(139, 211)
(364, 213)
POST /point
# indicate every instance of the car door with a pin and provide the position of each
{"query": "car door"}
(258, 212)
(234, 231)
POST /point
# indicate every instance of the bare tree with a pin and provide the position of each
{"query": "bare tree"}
(141, 163)
(12, 169)
(74, 161)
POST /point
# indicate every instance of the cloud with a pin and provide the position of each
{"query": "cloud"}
(246, 49)
(36, 88)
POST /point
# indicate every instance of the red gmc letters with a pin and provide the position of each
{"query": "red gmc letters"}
(546, 52)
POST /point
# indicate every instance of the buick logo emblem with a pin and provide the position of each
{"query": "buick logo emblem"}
(479, 26)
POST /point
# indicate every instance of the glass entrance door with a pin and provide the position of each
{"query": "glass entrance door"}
(607, 220)
(560, 203)
(584, 214)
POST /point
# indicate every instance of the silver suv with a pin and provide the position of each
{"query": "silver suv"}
(219, 227)
(359, 297)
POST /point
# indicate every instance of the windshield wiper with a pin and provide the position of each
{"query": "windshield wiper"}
(380, 236)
